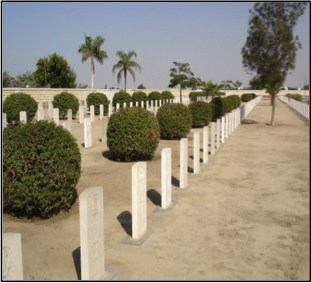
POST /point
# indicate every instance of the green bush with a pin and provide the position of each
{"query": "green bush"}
(221, 107)
(154, 95)
(175, 121)
(41, 167)
(253, 95)
(201, 114)
(64, 101)
(96, 99)
(194, 94)
(121, 97)
(236, 100)
(140, 96)
(246, 97)
(167, 95)
(297, 96)
(17, 102)
(133, 134)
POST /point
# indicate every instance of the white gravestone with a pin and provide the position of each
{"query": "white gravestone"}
(196, 153)
(101, 111)
(205, 144)
(56, 116)
(92, 113)
(40, 111)
(131, 104)
(87, 132)
(183, 169)
(166, 177)
(151, 104)
(4, 121)
(69, 116)
(109, 109)
(124, 105)
(222, 129)
(12, 262)
(142, 104)
(23, 117)
(218, 133)
(117, 107)
(67, 126)
(136, 104)
(227, 126)
(160, 103)
(139, 201)
(213, 126)
(91, 209)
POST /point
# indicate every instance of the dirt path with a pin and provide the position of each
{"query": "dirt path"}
(245, 218)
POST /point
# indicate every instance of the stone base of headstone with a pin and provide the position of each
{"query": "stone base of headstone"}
(197, 174)
(109, 275)
(160, 209)
(185, 188)
(130, 241)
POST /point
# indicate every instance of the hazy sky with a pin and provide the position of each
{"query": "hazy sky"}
(208, 36)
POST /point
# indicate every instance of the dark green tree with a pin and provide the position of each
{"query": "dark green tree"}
(141, 86)
(256, 84)
(270, 48)
(126, 65)
(181, 75)
(54, 72)
(211, 89)
(91, 49)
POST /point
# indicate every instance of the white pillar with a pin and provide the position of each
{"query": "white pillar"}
(87, 132)
(101, 111)
(183, 167)
(205, 144)
(166, 177)
(56, 116)
(213, 126)
(196, 153)
(92, 113)
(23, 117)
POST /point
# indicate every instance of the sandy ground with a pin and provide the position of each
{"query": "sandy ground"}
(246, 217)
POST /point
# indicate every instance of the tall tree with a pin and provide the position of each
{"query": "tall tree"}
(270, 48)
(25, 80)
(125, 64)
(54, 72)
(181, 75)
(91, 49)
(256, 84)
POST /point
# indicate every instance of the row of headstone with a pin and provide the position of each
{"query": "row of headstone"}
(301, 107)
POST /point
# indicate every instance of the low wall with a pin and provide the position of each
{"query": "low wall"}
(47, 94)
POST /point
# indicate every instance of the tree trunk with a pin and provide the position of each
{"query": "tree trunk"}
(92, 79)
(180, 95)
(273, 108)
(125, 75)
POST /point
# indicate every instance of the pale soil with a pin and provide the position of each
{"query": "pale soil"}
(246, 217)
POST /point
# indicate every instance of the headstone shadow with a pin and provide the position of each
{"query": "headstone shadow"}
(249, 122)
(125, 219)
(154, 196)
(76, 255)
(175, 182)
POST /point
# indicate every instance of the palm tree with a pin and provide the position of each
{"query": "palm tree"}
(7, 80)
(125, 65)
(91, 49)
(211, 89)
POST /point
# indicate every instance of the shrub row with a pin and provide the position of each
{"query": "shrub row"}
(248, 97)
(222, 106)
(297, 96)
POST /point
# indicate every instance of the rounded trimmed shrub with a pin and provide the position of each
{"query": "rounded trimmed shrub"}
(201, 114)
(139, 96)
(221, 107)
(193, 95)
(64, 101)
(121, 97)
(167, 95)
(297, 96)
(175, 121)
(235, 99)
(253, 95)
(133, 134)
(246, 97)
(41, 167)
(154, 95)
(17, 102)
(96, 99)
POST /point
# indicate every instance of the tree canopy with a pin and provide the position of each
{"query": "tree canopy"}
(270, 48)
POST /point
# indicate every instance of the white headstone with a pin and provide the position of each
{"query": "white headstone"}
(101, 111)
(117, 107)
(218, 133)
(12, 262)
(147, 104)
(227, 126)
(91, 210)
(87, 132)
(67, 125)
(92, 113)
(142, 104)
(56, 116)
(151, 103)
(205, 144)
(183, 167)
(213, 126)
(160, 103)
(23, 116)
(109, 109)
(166, 177)
(131, 104)
(124, 105)
(69, 116)
(196, 153)
(139, 201)
(222, 129)
(40, 111)
(136, 103)
(4, 121)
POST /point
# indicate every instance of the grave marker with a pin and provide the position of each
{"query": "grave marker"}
(196, 153)
(87, 132)
(4, 121)
(69, 116)
(218, 133)
(183, 169)
(50, 109)
(101, 111)
(92, 113)
(56, 116)
(40, 111)
(23, 117)
(205, 144)
(222, 129)
(213, 124)
(81, 114)
(166, 177)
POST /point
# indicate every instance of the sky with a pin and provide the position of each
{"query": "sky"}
(207, 35)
